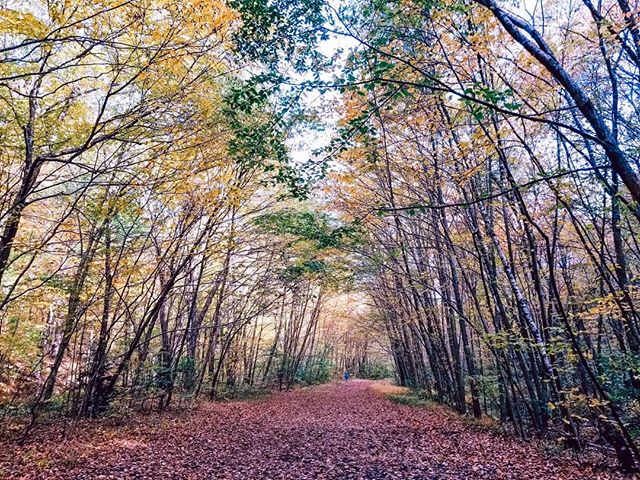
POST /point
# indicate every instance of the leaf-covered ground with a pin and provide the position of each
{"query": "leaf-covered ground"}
(340, 431)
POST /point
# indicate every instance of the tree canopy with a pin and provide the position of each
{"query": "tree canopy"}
(476, 195)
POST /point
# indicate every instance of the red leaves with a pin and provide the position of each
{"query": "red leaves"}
(330, 432)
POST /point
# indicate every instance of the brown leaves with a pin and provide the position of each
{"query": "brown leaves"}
(340, 431)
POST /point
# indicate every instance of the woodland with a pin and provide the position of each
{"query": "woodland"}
(207, 200)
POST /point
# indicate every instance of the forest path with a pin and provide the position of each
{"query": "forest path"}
(338, 431)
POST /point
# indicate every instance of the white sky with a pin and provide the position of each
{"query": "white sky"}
(302, 146)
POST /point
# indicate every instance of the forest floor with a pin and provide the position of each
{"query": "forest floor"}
(337, 431)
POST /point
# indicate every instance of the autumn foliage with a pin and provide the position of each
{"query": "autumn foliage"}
(468, 228)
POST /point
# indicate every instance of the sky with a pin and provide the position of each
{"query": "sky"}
(303, 144)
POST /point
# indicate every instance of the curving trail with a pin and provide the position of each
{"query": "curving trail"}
(330, 432)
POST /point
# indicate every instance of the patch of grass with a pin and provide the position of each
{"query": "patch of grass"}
(387, 388)
(402, 395)
(412, 398)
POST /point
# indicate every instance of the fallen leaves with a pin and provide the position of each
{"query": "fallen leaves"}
(340, 431)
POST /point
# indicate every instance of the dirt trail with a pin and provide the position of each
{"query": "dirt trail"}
(340, 431)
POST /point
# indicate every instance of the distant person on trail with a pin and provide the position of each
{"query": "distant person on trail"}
(346, 375)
